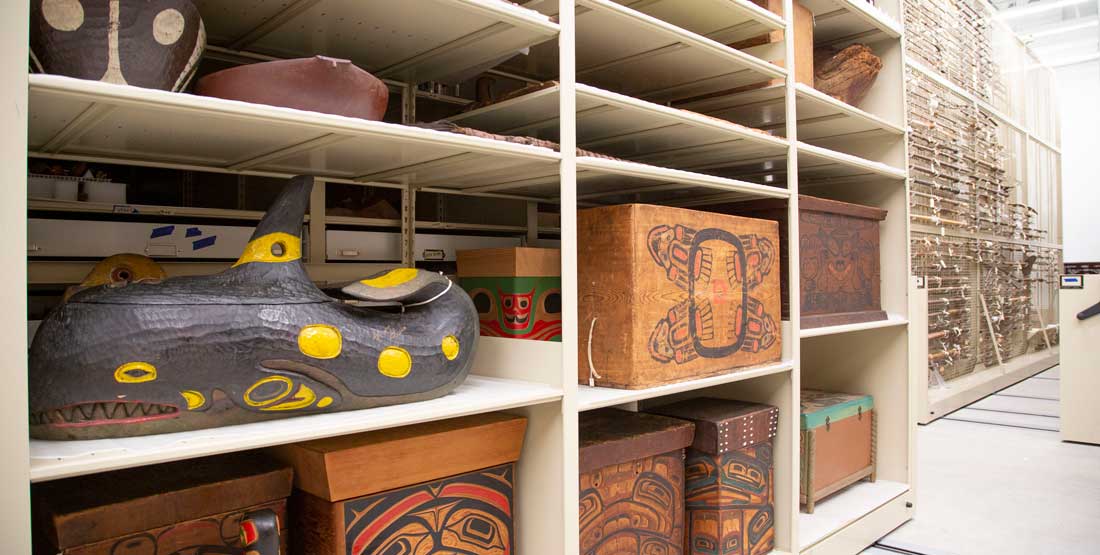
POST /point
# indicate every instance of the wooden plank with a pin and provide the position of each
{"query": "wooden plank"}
(346, 467)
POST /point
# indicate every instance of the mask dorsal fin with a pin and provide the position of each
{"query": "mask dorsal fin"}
(277, 239)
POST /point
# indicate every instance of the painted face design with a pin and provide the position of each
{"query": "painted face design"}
(146, 43)
(516, 309)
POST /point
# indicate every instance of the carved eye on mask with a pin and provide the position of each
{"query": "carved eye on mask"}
(483, 303)
(549, 305)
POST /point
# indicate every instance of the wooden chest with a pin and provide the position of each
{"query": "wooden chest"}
(438, 487)
(729, 476)
(193, 506)
(839, 257)
(837, 447)
(632, 483)
(668, 294)
(517, 291)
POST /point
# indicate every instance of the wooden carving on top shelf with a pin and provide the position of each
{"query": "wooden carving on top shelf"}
(256, 342)
(847, 74)
(146, 43)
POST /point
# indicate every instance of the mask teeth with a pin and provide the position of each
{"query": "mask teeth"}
(99, 412)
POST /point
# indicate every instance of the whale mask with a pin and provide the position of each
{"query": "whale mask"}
(255, 342)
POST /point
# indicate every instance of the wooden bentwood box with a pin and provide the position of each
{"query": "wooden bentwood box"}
(838, 255)
(668, 294)
(437, 487)
(194, 506)
(517, 291)
(837, 444)
(729, 476)
(632, 482)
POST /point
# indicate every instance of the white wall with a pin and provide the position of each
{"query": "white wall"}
(1079, 98)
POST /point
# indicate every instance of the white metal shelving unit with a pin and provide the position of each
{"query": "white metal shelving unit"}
(621, 69)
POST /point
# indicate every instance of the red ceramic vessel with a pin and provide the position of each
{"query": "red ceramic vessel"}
(317, 84)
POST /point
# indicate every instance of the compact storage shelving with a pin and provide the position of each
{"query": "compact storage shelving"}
(617, 67)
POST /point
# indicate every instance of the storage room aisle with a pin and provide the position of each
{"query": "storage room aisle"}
(995, 477)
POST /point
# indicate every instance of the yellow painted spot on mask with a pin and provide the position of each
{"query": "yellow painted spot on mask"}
(263, 398)
(271, 248)
(135, 372)
(320, 341)
(450, 347)
(391, 278)
(324, 402)
(304, 397)
(194, 399)
(394, 362)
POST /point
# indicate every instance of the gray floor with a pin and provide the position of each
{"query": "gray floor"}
(994, 478)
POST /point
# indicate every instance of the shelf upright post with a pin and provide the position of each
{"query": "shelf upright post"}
(787, 507)
(408, 225)
(15, 526)
(567, 77)
(318, 247)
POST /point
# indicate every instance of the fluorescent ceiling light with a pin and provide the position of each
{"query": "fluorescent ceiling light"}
(1015, 13)
(1065, 29)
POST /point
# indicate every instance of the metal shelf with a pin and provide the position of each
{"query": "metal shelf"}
(820, 116)
(724, 21)
(590, 398)
(821, 166)
(603, 181)
(625, 127)
(72, 118)
(51, 460)
(835, 513)
(69, 272)
(630, 52)
(890, 321)
(842, 21)
(410, 40)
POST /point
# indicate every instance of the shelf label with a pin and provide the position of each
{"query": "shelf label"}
(1073, 282)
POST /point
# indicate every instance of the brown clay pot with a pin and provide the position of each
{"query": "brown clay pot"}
(317, 84)
(157, 45)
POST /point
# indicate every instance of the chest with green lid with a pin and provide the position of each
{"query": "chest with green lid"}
(837, 443)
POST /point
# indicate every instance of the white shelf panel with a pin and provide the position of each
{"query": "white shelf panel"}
(839, 21)
(724, 21)
(60, 459)
(627, 51)
(603, 181)
(125, 210)
(821, 166)
(625, 127)
(411, 40)
(819, 115)
(890, 321)
(589, 398)
(844, 508)
(88, 119)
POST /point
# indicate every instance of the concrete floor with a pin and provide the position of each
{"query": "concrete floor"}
(995, 478)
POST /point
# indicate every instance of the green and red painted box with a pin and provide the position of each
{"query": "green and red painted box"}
(517, 291)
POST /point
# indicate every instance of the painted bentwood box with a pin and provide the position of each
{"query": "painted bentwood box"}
(256, 342)
(838, 254)
(226, 505)
(837, 446)
(729, 476)
(632, 483)
(395, 492)
(517, 291)
(668, 294)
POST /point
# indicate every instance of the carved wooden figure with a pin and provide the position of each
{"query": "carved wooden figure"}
(632, 483)
(147, 43)
(395, 491)
(729, 472)
(668, 294)
(839, 257)
(517, 291)
(226, 505)
(256, 342)
(837, 447)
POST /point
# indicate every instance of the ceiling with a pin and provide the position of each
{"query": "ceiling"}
(1060, 32)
